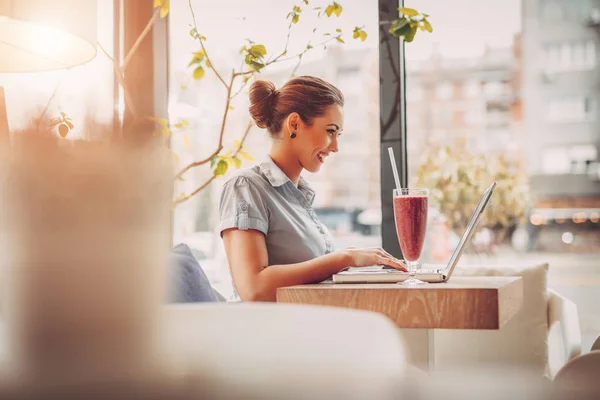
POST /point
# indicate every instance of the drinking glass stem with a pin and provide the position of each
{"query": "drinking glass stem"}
(412, 267)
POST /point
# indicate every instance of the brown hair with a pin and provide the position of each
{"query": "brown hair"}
(306, 95)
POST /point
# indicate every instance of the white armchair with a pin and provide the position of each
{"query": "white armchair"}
(288, 351)
(564, 335)
(541, 338)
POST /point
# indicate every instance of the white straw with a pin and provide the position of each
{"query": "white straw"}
(394, 169)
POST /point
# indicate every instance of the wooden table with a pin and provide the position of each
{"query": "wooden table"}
(461, 303)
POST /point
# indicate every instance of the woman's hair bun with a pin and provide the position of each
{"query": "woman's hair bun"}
(262, 102)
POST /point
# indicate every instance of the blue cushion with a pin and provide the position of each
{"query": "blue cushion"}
(189, 283)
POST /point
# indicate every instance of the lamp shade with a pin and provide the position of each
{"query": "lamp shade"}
(44, 35)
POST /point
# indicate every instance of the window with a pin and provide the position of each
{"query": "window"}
(353, 67)
(515, 124)
(442, 115)
(493, 89)
(571, 109)
(472, 89)
(570, 56)
(551, 10)
(414, 91)
(444, 90)
(568, 159)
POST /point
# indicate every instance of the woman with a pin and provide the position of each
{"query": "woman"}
(272, 236)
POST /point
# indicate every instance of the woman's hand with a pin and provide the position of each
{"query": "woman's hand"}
(372, 256)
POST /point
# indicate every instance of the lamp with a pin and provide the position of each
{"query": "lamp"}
(43, 35)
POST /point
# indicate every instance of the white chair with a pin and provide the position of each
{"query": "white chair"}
(287, 351)
(541, 338)
(257, 351)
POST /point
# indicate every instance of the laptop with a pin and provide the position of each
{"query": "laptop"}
(428, 273)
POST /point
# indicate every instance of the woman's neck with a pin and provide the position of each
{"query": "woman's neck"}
(287, 163)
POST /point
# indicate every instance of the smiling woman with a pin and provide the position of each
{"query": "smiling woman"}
(273, 237)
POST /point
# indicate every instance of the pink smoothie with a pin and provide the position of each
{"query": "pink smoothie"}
(410, 213)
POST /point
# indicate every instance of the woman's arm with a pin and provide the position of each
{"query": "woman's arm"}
(247, 255)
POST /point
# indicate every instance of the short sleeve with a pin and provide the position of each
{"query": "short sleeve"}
(242, 206)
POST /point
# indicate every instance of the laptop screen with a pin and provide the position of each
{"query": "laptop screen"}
(470, 229)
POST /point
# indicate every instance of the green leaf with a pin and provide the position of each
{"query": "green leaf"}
(306, 2)
(295, 19)
(214, 161)
(175, 157)
(198, 73)
(199, 55)
(185, 122)
(363, 35)
(208, 64)
(339, 39)
(203, 37)
(179, 126)
(220, 168)
(237, 162)
(245, 155)
(231, 108)
(329, 10)
(427, 26)
(400, 27)
(308, 47)
(314, 30)
(194, 33)
(258, 50)
(411, 34)
(297, 9)
(409, 12)
(237, 144)
(338, 30)
(164, 9)
(180, 179)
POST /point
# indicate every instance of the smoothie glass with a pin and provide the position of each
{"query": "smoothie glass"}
(410, 213)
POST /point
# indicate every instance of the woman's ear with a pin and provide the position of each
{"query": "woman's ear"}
(294, 122)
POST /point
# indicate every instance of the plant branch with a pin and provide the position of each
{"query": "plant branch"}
(212, 178)
(306, 50)
(140, 38)
(287, 42)
(119, 74)
(45, 110)
(212, 66)
(189, 196)
(241, 88)
(221, 134)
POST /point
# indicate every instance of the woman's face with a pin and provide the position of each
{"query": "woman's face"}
(315, 142)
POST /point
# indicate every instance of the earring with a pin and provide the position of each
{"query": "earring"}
(293, 135)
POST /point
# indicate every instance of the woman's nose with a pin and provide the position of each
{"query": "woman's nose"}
(333, 146)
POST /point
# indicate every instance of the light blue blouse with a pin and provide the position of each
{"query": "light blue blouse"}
(264, 199)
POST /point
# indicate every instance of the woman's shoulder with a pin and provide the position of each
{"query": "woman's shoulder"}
(247, 177)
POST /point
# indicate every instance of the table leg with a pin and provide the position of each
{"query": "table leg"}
(430, 350)
(419, 346)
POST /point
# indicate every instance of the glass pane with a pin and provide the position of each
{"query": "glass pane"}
(350, 208)
(84, 93)
(534, 132)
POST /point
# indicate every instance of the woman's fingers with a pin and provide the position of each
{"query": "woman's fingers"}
(391, 262)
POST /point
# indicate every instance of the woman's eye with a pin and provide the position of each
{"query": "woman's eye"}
(331, 131)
